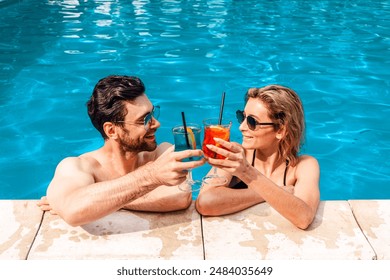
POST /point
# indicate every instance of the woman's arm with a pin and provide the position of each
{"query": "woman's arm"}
(299, 207)
(223, 200)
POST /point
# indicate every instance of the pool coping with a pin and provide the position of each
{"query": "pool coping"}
(342, 229)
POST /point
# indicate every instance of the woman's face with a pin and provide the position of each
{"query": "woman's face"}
(263, 137)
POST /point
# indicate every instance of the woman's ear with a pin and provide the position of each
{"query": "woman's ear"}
(110, 130)
(281, 133)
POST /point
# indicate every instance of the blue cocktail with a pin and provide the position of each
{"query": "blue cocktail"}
(186, 139)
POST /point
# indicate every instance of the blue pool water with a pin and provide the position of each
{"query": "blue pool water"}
(335, 54)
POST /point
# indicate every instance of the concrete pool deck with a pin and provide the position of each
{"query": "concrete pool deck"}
(342, 230)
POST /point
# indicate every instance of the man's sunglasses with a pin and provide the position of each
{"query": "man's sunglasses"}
(155, 113)
(250, 121)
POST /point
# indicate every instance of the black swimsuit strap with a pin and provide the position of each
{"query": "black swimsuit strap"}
(285, 173)
(253, 158)
(285, 170)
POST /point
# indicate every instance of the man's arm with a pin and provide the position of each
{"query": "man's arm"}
(163, 198)
(78, 199)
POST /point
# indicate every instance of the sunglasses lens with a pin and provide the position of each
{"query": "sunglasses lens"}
(156, 112)
(251, 122)
(147, 120)
(240, 116)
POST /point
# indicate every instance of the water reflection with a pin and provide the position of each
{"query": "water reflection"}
(334, 53)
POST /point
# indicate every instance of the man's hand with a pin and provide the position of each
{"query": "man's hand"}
(168, 169)
(45, 206)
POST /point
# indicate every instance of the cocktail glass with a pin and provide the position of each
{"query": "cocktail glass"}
(212, 128)
(193, 143)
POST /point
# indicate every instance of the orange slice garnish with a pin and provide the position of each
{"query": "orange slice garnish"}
(191, 138)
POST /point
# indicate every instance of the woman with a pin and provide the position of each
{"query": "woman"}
(266, 167)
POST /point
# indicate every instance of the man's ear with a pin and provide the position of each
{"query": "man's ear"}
(110, 130)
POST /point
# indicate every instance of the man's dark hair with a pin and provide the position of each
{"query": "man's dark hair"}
(107, 103)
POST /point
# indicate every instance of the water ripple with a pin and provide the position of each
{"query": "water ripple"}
(188, 53)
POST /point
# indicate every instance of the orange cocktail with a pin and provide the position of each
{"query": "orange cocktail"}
(213, 129)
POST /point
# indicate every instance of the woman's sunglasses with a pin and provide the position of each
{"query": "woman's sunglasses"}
(250, 121)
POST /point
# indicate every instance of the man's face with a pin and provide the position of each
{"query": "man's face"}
(137, 136)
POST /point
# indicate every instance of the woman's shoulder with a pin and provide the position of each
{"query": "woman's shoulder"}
(307, 162)
(306, 158)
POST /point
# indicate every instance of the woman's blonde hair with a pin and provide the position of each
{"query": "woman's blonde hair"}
(286, 110)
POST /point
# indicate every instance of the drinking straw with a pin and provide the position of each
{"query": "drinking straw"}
(221, 108)
(185, 129)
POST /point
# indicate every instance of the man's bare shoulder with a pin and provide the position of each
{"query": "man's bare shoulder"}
(83, 163)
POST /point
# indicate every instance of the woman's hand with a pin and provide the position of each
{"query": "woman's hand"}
(289, 188)
(235, 162)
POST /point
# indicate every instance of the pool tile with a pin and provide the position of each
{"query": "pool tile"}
(262, 233)
(122, 235)
(373, 216)
(20, 221)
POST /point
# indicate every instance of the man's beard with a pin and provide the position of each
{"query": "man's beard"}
(136, 145)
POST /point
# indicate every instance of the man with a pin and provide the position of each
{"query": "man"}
(130, 170)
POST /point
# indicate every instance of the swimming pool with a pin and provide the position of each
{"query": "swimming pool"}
(335, 54)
